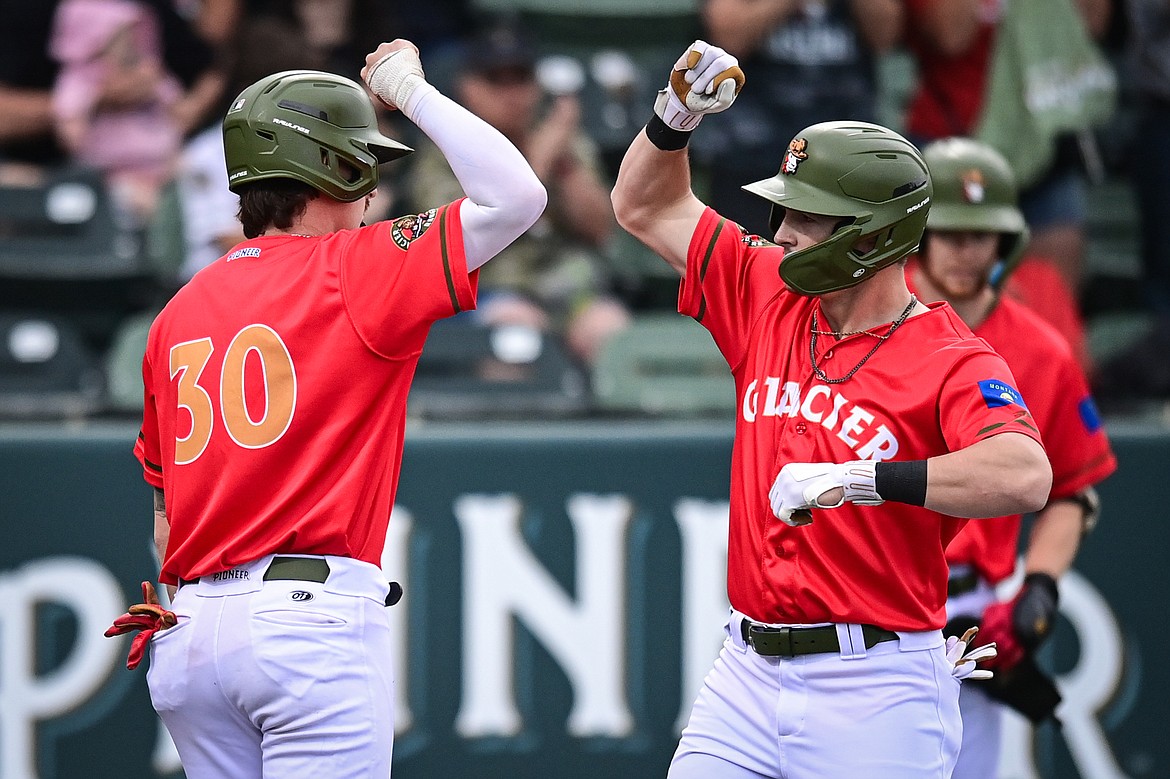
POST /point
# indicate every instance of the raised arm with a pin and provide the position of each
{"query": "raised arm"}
(504, 196)
(652, 198)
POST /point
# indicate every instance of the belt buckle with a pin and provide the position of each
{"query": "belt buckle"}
(770, 641)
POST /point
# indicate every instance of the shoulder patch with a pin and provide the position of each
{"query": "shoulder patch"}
(754, 241)
(1089, 414)
(406, 229)
(1000, 393)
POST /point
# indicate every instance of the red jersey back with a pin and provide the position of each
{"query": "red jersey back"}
(1056, 391)
(932, 388)
(275, 389)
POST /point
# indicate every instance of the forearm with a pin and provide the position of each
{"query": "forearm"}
(162, 532)
(584, 205)
(998, 476)
(1096, 15)
(504, 196)
(879, 22)
(741, 26)
(24, 113)
(1055, 538)
(653, 201)
(951, 25)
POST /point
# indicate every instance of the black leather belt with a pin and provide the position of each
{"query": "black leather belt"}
(306, 569)
(790, 642)
(962, 584)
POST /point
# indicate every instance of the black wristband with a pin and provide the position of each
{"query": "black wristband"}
(901, 482)
(665, 137)
(1044, 581)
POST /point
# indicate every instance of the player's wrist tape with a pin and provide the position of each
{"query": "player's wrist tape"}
(665, 137)
(902, 482)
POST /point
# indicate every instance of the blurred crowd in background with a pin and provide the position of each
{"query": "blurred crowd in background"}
(113, 191)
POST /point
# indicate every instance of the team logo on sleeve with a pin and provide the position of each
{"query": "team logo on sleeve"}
(1090, 418)
(998, 393)
(796, 154)
(406, 229)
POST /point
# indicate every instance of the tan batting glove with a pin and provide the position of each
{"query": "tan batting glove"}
(393, 72)
(963, 663)
(704, 80)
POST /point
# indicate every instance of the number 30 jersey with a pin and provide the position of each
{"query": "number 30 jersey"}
(276, 383)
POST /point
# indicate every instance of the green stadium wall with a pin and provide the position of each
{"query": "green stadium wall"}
(564, 597)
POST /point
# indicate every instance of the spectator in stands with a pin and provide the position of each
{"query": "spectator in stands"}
(28, 141)
(953, 43)
(555, 276)
(811, 61)
(1143, 370)
(135, 145)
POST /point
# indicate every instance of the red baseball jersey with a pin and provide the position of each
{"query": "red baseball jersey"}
(932, 388)
(1056, 391)
(275, 389)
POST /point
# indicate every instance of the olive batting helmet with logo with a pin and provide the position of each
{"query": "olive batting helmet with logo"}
(871, 177)
(975, 190)
(318, 128)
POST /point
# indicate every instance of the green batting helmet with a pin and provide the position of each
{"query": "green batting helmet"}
(303, 124)
(975, 190)
(867, 174)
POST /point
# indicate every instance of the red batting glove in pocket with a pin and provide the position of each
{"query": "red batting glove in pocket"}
(147, 618)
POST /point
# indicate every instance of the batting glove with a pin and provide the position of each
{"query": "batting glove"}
(801, 486)
(147, 618)
(395, 75)
(704, 80)
(1021, 625)
(963, 663)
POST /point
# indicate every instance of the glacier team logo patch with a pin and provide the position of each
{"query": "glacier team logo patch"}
(999, 393)
(406, 229)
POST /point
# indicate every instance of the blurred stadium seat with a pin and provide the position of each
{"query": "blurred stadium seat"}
(663, 364)
(468, 370)
(46, 368)
(122, 363)
(63, 250)
(65, 228)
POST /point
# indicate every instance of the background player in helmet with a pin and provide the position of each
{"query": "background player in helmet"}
(276, 385)
(853, 396)
(974, 236)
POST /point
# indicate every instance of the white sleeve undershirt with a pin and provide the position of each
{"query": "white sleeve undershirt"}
(504, 197)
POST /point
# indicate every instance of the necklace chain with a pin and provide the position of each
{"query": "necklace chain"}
(812, 344)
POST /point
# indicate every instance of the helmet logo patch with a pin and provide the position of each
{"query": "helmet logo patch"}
(859, 273)
(973, 190)
(406, 229)
(236, 106)
(796, 154)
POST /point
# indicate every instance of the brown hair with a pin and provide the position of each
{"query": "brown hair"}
(272, 203)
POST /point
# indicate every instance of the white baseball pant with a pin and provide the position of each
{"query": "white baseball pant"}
(982, 716)
(889, 712)
(279, 678)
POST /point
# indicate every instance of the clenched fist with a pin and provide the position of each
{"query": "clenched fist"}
(704, 80)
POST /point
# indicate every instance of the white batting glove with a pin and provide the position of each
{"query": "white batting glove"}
(963, 663)
(802, 486)
(704, 80)
(395, 74)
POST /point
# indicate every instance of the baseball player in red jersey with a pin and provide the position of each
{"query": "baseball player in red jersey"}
(275, 404)
(852, 396)
(974, 236)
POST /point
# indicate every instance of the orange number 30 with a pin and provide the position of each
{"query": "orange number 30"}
(188, 361)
